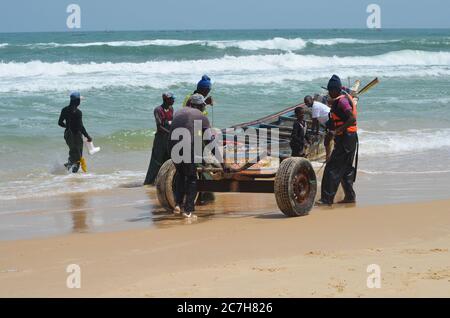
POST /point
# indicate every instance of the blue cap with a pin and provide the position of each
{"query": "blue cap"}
(205, 82)
(75, 95)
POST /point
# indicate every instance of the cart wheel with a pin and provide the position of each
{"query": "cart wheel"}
(295, 187)
(165, 185)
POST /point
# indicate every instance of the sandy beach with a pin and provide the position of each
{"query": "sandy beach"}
(241, 246)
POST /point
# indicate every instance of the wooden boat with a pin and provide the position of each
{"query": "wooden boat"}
(282, 121)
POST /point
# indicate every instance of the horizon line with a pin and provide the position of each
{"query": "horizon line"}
(228, 29)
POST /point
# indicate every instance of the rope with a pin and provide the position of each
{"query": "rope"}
(356, 158)
(212, 115)
(321, 167)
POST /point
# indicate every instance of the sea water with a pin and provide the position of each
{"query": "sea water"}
(404, 122)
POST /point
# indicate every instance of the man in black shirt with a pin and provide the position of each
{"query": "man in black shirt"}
(71, 119)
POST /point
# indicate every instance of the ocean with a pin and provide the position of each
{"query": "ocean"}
(404, 122)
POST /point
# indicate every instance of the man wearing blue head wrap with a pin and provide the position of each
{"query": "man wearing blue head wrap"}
(71, 120)
(203, 88)
(204, 83)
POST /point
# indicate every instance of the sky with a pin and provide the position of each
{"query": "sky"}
(100, 15)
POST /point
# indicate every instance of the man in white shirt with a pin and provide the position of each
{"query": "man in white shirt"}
(320, 113)
(320, 117)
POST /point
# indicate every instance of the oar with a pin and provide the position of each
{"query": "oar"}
(369, 86)
(365, 89)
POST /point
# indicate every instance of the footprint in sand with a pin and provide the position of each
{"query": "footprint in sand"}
(339, 285)
(325, 254)
(268, 269)
(437, 275)
(424, 251)
(431, 274)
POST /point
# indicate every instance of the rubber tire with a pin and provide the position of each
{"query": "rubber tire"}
(164, 185)
(284, 186)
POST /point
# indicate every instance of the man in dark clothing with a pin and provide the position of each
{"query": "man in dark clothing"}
(298, 136)
(160, 152)
(203, 88)
(71, 119)
(339, 169)
(186, 177)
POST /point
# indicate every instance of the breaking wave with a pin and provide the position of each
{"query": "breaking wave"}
(277, 43)
(403, 142)
(228, 70)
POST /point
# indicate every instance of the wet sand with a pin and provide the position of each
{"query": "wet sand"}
(241, 246)
(113, 210)
(132, 206)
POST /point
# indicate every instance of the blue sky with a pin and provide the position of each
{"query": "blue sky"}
(50, 15)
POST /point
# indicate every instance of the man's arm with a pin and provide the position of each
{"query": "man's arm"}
(315, 119)
(350, 121)
(205, 123)
(83, 130)
(187, 101)
(315, 125)
(205, 126)
(307, 137)
(61, 122)
(159, 121)
(209, 101)
(207, 133)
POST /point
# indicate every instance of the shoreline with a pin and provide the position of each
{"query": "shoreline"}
(131, 206)
(257, 254)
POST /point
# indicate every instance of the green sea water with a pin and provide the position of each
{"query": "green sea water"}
(404, 122)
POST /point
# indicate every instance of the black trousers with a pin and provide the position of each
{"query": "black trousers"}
(339, 169)
(75, 143)
(186, 185)
(297, 150)
(160, 154)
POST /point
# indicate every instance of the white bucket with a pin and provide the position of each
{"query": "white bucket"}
(91, 148)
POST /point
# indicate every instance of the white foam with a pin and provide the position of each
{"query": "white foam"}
(277, 43)
(281, 44)
(229, 70)
(161, 42)
(335, 41)
(394, 173)
(403, 142)
(47, 184)
(3, 45)
(252, 45)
